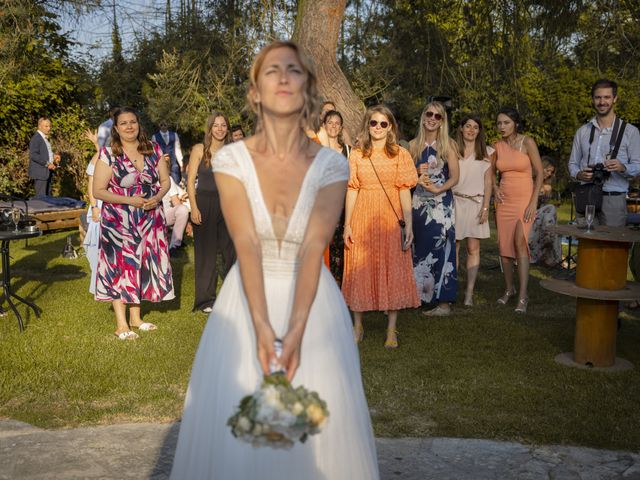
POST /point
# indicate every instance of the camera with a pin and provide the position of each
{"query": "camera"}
(600, 173)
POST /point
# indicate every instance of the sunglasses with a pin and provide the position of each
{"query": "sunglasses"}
(437, 116)
(374, 123)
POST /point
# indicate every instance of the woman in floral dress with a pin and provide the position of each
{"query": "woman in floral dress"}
(133, 261)
(434, 258)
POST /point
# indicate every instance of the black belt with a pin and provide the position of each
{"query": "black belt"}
(613, 194)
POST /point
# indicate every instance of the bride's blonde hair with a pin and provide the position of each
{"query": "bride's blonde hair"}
(312, 103)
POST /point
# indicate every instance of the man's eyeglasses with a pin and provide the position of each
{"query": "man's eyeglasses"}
(374, 123)
(437, 116)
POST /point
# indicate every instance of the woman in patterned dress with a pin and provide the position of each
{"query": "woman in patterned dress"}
(133, 262)
(544, 246)
(377, 266)
(434, 258)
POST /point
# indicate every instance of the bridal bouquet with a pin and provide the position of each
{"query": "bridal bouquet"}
(277, 414)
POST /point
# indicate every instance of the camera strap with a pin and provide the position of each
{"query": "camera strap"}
(618, 135)
(615, 140)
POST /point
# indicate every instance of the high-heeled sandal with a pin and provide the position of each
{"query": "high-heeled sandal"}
(392, 339)
(522, 305)
(358, 333)
(504, 299)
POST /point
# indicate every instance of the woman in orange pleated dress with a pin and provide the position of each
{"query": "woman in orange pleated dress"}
(378, 268)
(517, 160)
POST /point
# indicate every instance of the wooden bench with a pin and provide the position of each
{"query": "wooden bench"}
(48, 221)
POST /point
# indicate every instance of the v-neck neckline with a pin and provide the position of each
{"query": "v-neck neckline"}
(133, 164)
(264, 203)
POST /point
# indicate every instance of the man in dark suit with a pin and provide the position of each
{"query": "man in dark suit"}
(169, 143)
(42, 161)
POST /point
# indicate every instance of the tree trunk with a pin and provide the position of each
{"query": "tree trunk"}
(317, 31)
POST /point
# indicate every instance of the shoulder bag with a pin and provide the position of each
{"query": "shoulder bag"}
(401, 222)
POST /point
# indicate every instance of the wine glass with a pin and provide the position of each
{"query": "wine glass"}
(589, 216)
(15, 217)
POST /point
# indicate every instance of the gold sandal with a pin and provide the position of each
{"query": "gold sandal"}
(392, 339)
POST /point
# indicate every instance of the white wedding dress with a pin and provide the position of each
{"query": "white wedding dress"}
(226, 368)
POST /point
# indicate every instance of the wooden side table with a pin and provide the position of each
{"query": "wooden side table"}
(601, 283)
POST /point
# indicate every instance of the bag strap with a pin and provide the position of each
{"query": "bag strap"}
(401, 222)
(591, 135)
(614, 152)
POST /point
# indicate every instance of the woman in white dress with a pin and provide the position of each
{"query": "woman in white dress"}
(281, 197)
(472, 196)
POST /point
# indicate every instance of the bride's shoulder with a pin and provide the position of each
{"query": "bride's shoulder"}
(335, 166)
(230, 160)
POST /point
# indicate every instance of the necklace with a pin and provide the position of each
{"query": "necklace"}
(512, 143)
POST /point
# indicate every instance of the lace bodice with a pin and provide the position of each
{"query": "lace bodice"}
(280, 251)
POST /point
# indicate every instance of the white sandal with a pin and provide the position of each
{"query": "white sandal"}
(145, 327)
(129, 335)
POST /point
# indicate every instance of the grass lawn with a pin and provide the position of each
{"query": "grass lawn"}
(484, 372)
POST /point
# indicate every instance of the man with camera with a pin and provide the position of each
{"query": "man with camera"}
(605, 154)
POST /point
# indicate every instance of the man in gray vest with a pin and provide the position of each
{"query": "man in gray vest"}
(169, 143)
(42, 161)
(606, 150)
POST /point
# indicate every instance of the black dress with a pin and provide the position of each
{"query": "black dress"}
(209, 238)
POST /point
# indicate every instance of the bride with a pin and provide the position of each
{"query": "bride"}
(281, 197)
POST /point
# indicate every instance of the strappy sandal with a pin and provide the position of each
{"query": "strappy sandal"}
(504, 299)
(522, 305)
(392, 339)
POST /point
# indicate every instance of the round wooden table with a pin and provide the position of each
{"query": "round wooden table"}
(600, 284)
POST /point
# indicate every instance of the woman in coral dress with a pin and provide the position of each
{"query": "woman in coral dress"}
(377, 266)
(516, 158)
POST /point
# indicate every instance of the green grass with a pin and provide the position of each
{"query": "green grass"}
(484, 372)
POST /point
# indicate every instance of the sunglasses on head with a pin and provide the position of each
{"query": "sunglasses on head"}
(437, 116)
(374, 123)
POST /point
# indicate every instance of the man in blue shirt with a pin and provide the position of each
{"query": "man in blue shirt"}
(592, 145)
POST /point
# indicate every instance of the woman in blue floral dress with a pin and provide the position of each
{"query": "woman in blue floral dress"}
(434, 258)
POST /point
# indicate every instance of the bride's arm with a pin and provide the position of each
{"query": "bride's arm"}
(322, 224)
(239, 219)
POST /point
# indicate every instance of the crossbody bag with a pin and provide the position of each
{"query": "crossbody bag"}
(401, 222)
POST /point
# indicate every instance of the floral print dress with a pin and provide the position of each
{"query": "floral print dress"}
(434, 257)
(133, 259)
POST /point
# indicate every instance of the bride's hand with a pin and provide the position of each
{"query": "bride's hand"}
(265, 337)
(290, 358)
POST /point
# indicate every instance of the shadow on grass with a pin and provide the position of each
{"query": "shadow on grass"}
(34, 268)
